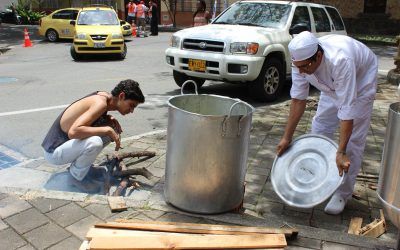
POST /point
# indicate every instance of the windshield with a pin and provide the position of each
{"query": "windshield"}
(271, 15)
(98, 17)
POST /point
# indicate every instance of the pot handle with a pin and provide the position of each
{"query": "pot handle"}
(229, 116)
(194, 83)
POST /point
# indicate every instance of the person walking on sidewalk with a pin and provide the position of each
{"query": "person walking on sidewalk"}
(345, 71)
(153, 11)
(141, 10)
(201, 16)
(84, 128)
(131, 18)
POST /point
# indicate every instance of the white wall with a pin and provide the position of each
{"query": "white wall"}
(5, 3)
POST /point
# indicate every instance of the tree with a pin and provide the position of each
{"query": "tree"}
(171, 7)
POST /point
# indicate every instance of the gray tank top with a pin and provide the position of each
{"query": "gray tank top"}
(56, 136)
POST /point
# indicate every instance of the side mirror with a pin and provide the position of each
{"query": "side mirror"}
(298, 28)
(72, 22)
(122, 22)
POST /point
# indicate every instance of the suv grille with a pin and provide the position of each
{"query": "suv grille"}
(203, 45)
(98, 37)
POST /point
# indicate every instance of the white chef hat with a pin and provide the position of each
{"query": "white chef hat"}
(303, 46)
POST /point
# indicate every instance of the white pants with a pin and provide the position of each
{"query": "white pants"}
(326, 122)
(80, 153)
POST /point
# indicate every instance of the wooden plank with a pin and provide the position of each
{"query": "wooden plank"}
(368, 176)
(84, 245)
(195, 228)
(355, 225)
(189, 241)
(375, 228)
(107, 232)
(117, 203)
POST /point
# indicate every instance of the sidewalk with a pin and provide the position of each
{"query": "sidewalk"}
(33, 217)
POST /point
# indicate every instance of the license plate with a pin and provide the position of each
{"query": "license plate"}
(197, 65)
(99, 45)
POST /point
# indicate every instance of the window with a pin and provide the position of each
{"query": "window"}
(374, 6)
(301, 16)
(64, 14)
(336, 19)
(321, 20)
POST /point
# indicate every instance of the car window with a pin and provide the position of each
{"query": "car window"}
(75, 14)
(301, 16)
(321, 20)
(256, 14)
(97, 17)
(63, 14)
(336, 19)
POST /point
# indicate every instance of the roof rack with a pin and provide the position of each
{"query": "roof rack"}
(98, 5)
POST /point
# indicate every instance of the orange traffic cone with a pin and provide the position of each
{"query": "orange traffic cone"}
(134, 30)
(27, 40)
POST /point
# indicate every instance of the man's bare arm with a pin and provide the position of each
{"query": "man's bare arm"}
(342, 160)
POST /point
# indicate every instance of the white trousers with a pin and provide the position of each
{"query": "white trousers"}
(326, 122)
(80, 153)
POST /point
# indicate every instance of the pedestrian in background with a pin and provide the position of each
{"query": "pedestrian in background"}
(345, 71)
(154, 18)
(141, 10)
(131, 18)
(201, 16)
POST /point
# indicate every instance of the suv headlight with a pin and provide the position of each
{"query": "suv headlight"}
(244, 48)
(175, 41)
(117, 36)
(80, 36)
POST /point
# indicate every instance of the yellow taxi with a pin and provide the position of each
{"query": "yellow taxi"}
(98, 31)
(57, 25)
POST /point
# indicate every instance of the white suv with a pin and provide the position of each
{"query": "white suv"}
(248, 43)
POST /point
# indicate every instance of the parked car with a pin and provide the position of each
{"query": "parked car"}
(57, 25)
(248, 43)
(97, 31)
(8, 16)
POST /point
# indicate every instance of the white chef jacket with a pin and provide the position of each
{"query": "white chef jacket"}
(348, 73)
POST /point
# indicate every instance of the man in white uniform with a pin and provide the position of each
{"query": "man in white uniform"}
(345, 71)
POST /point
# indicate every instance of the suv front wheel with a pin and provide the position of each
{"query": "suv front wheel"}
(269, 83)
(180, 78)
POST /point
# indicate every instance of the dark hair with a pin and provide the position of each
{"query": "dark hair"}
(203, 7)
(130, 88)
(314, 57)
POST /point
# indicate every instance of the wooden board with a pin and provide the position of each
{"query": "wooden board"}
(106, 232)
(189, 241)
(355, 225)
(375, 228)
(195, 228)
(117, 203)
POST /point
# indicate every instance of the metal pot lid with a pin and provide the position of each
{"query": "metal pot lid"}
(306, 174)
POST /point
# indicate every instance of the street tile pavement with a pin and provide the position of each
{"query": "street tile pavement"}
(50, 219)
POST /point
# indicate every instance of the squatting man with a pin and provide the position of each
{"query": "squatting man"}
(84, 128)
(345, 71)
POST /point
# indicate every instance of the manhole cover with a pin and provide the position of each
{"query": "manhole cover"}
(7, 79)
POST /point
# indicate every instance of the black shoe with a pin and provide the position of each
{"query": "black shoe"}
(96, 173)
(85, 185)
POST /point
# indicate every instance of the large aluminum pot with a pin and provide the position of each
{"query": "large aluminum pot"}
(389, 177)
(207, 145)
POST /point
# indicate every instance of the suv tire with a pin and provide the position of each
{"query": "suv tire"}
(269, 83)
(51, 35)
(180, 78)
(74, 55)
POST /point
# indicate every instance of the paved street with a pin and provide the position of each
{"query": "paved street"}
(39, 212)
